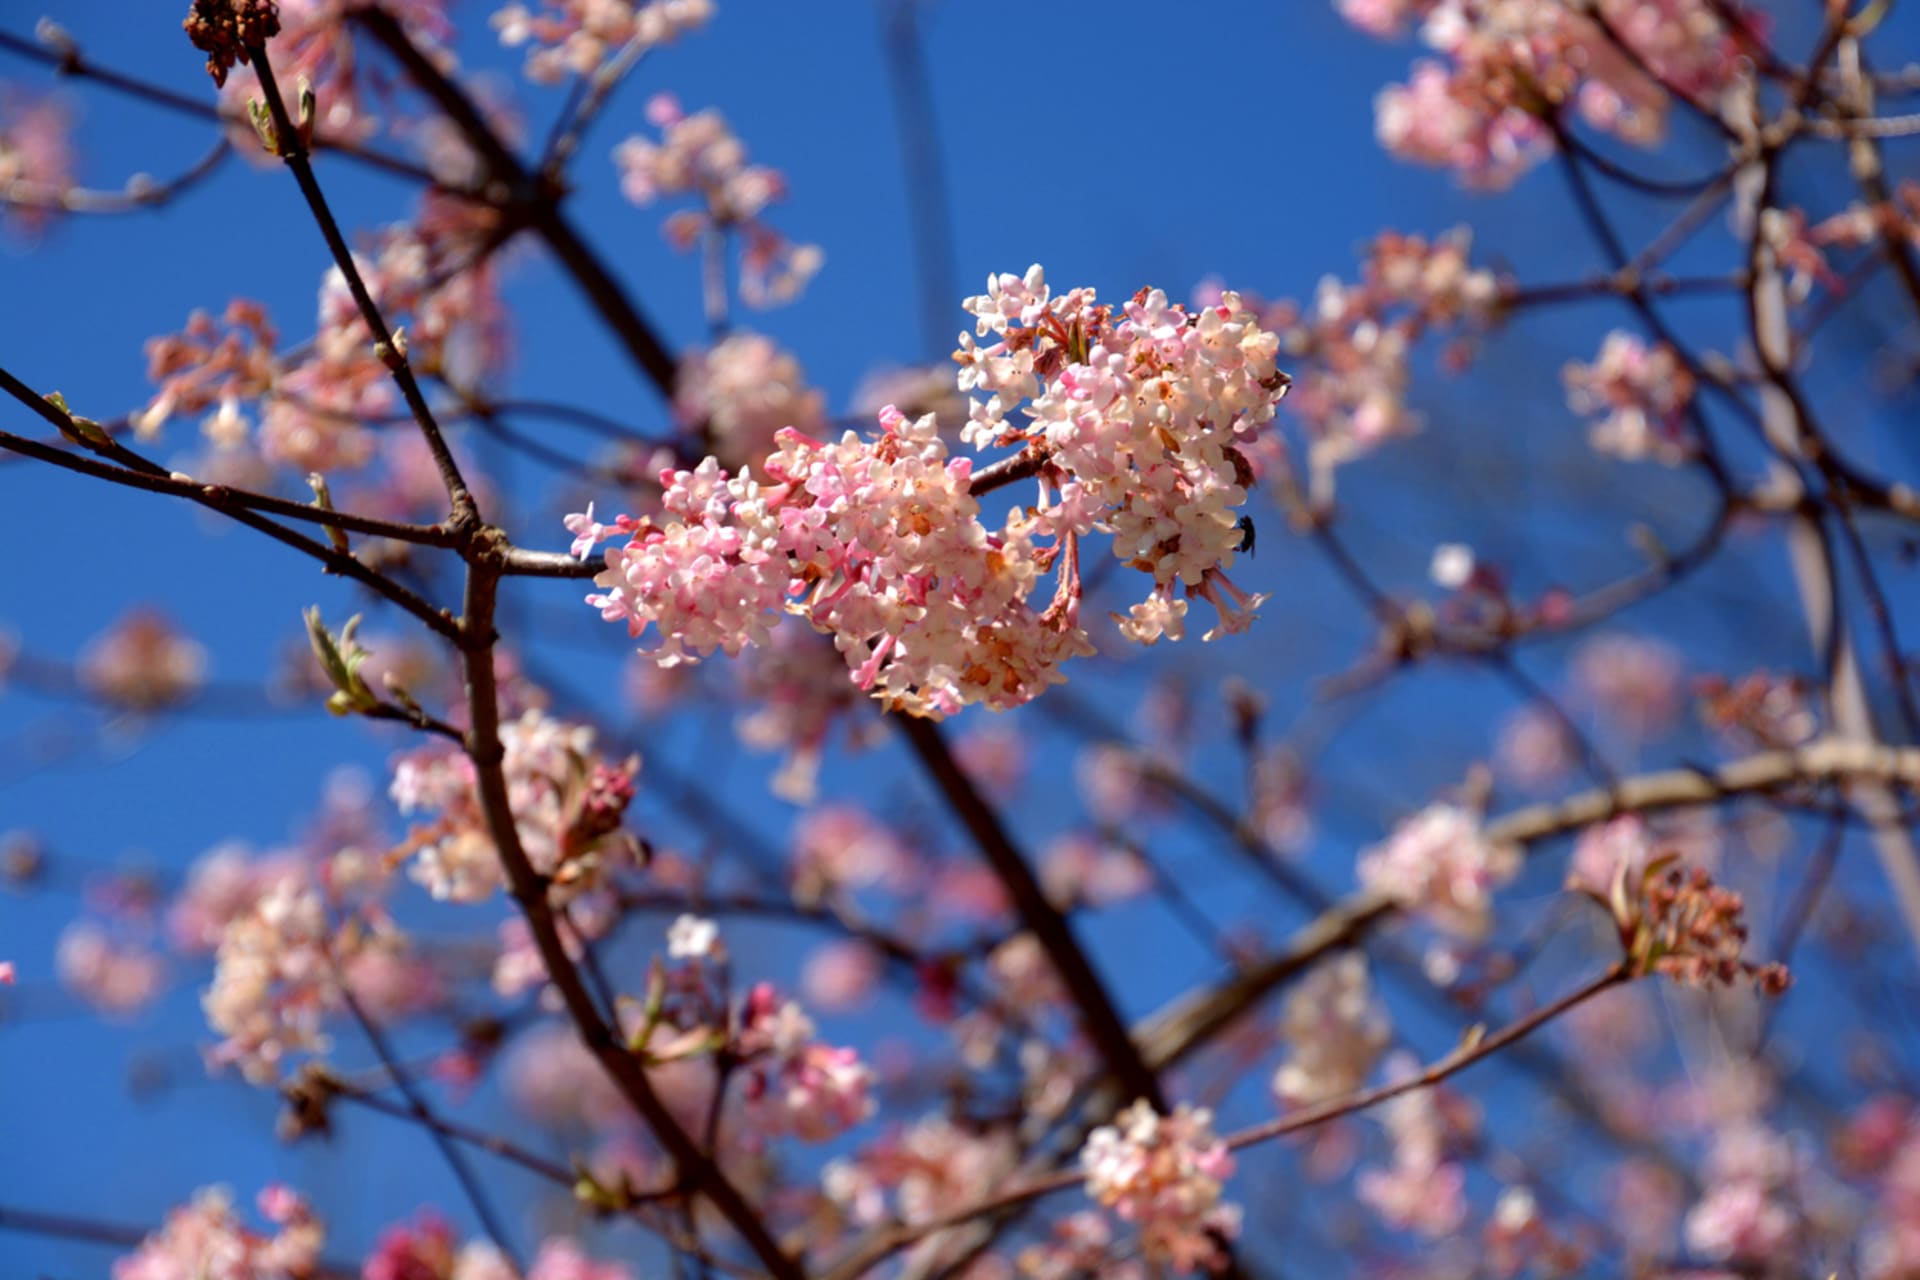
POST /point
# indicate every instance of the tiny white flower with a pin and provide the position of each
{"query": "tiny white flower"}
(1452, 565)
(694, 938)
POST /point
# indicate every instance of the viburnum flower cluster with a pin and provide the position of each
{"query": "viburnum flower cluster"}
(1641, 395)
(791, 1084)
(879, 543)
(1749, 1211)
(1423, 1189)
(36, 159)
(276, 978)
(1334, 1030)
(699, 155)
(796, 1085)
(1441, 864)
(316, 403)
(918, 1174)
(1165, 1175)
(143, 663)
(568, 805)
(1482, 108)
(735, 396)
(1353, 343)
(206, 1238)
(113, 969)
(792, 693)
(573, 37)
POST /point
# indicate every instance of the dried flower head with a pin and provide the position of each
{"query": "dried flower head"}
(228, 30)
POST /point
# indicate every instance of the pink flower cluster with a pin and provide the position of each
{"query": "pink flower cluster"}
(273, 982)
(1634, 684)
(880, 544)
(1334, 1030)
(573, 37)
(737, 395)
(429, 279)
(113, 971)
(1424, 1189)
(36, 159)
(1165, 1175)
(796, 1085)
(1748, 1212)
(877, 544)
(1353, 343)
(1643, 393)
(838, 849)
(933, 1165)
(1762, 709)
(204, 368)
(1441, 864)
(792, 693)
(1504, 66)
(205, 1240)
(568, 805)
(1142, 412)
(1081, 1244)
(699, 155)
(143, 664)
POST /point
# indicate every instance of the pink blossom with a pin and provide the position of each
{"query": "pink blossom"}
(1081, 1245)
(1441, 864)
(561, 1259)
(1165, 1175)
(116, 974)
(794, 1084)
(838, 848)
(221, 885)
(1354, 340)
(318, 44)
(1632, 681)
(1643, 394)
(273, 983)
(700, 155)
(142, 663)
(36, 159)
(1534, 748)
(573, 37)
(880, 544)
(1334, 1030)
(841, 975)
(1505, 65)
(1739, 1221)
(1423, 1190)
(205, 1240)
(1081, 868)
(568, 807)
(1427, 1198)
(417, 1251)
(926, 1169)
(738, 394)
(794, 691)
